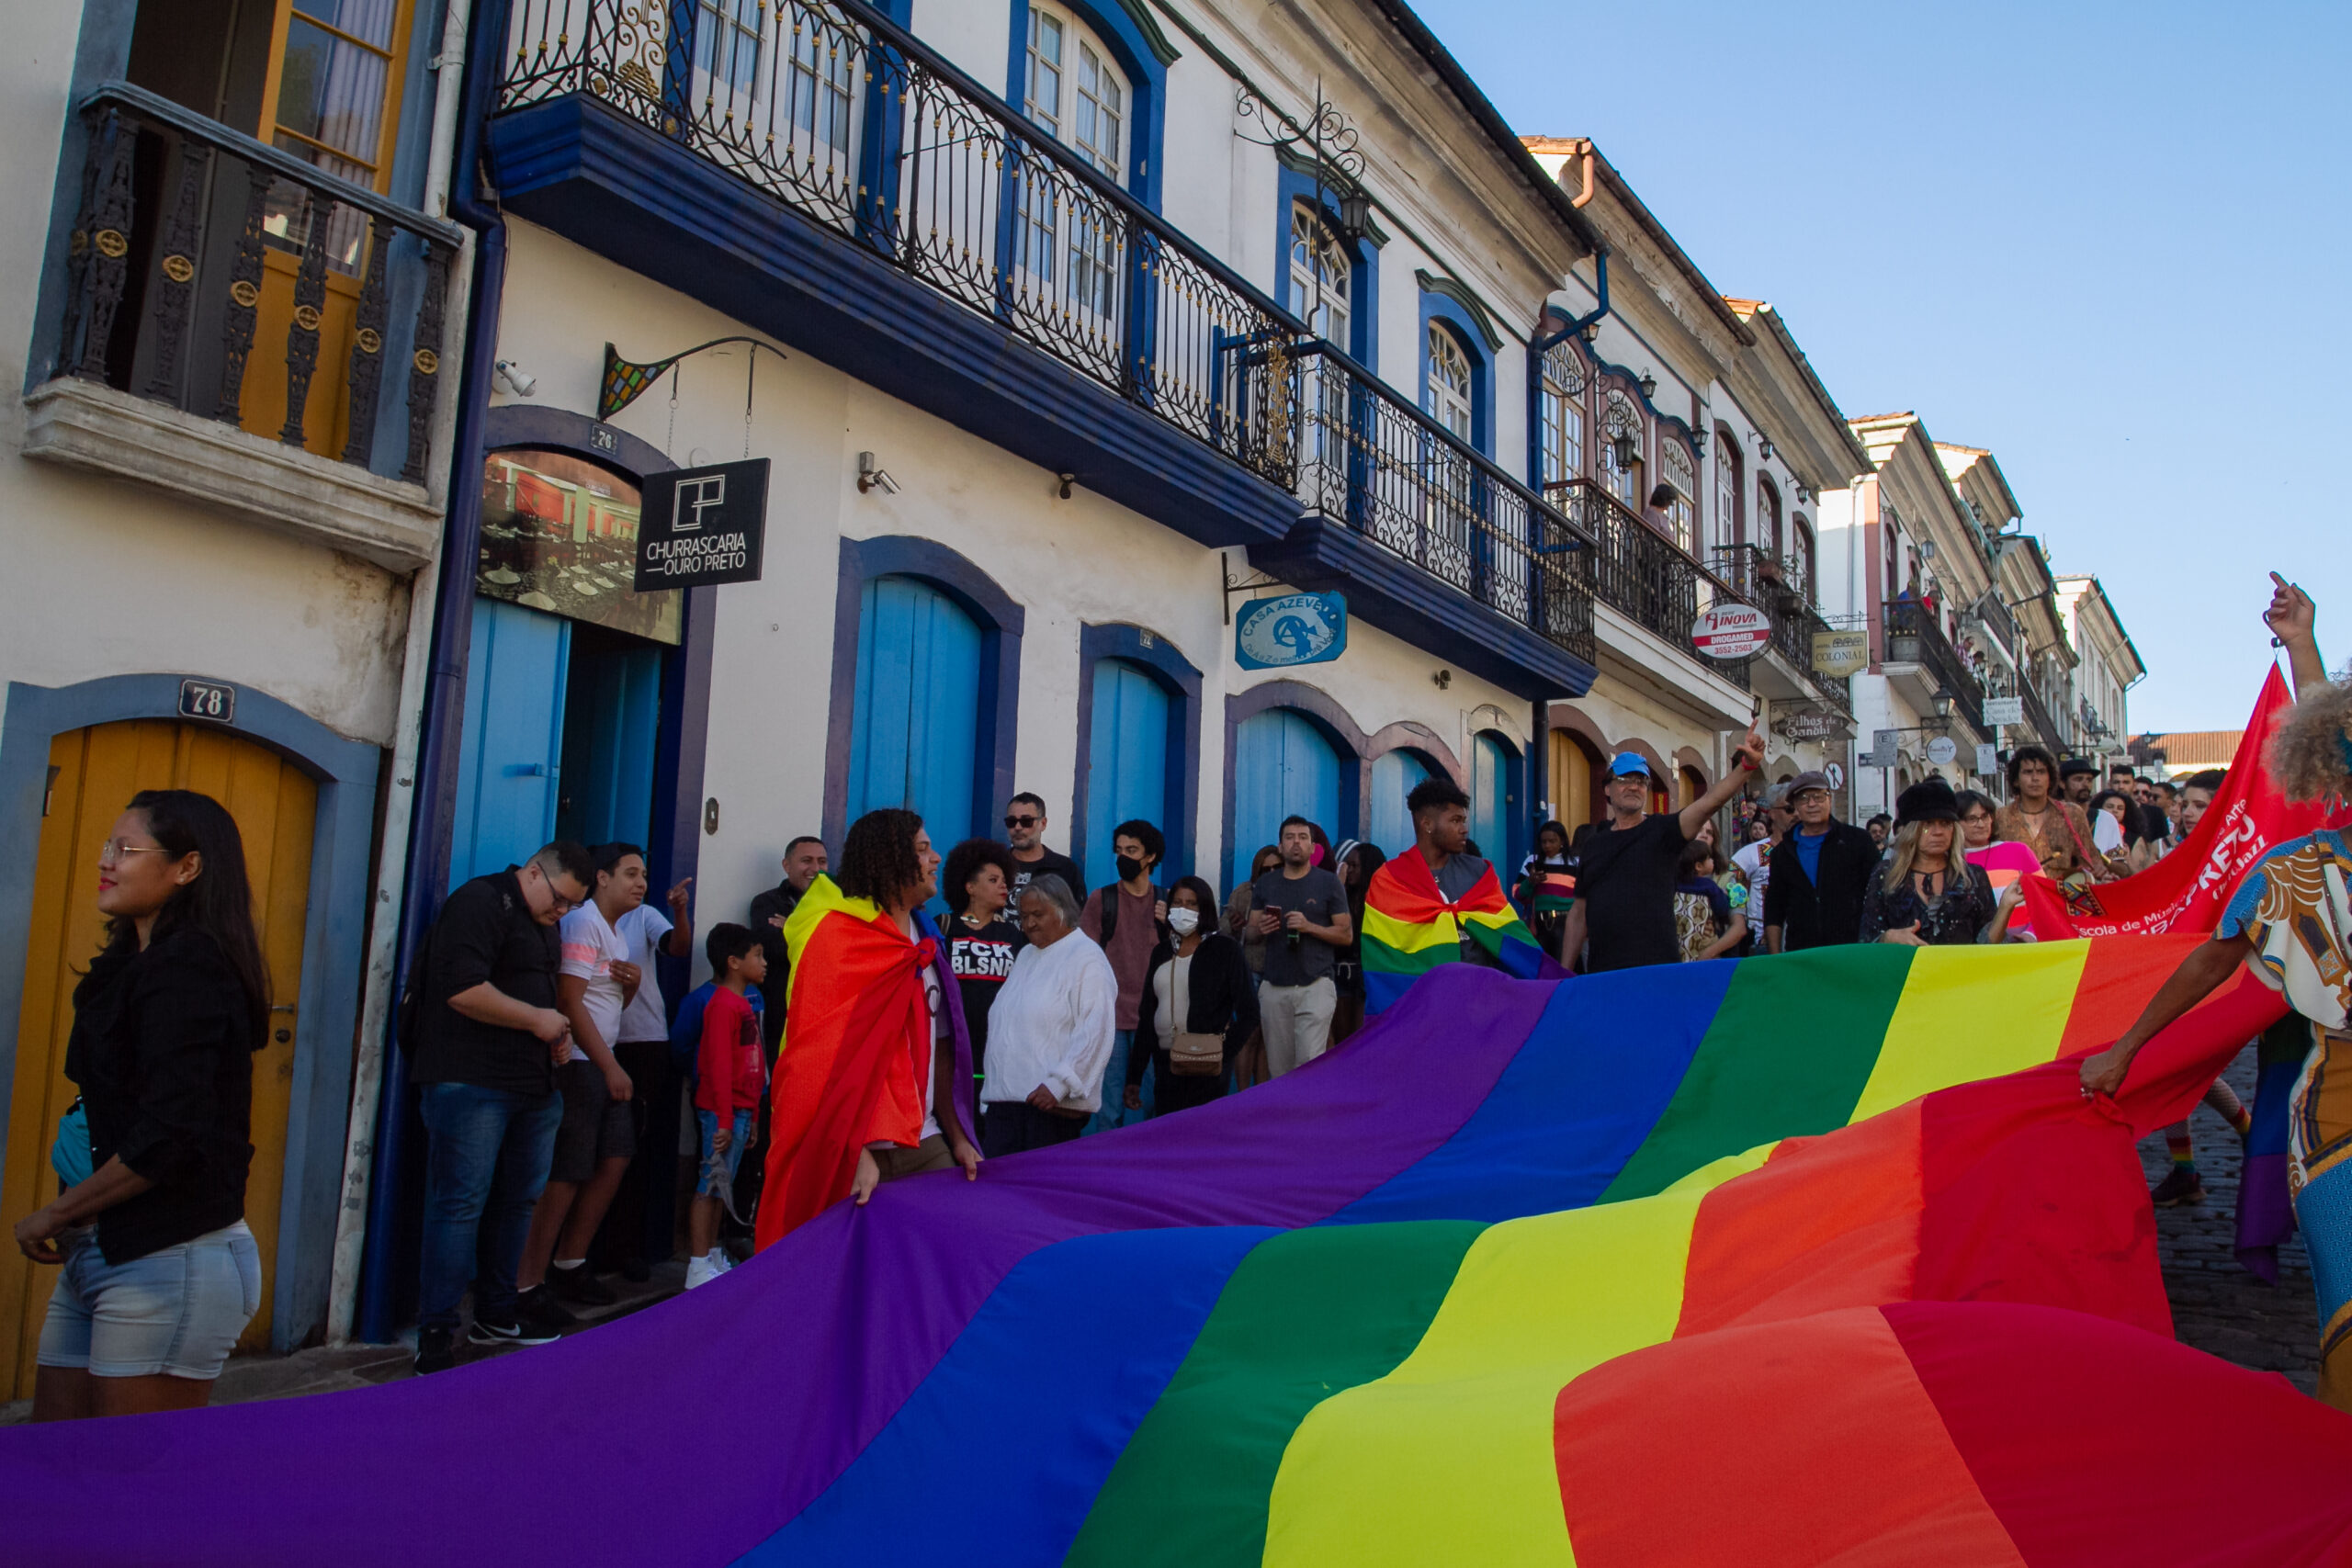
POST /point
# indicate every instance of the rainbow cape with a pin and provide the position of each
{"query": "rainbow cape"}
(1409, 929)
(1795, 1260)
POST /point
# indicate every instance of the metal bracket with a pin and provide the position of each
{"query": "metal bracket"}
(1247, 585)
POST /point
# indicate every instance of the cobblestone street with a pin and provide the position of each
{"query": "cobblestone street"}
(2217, 1306)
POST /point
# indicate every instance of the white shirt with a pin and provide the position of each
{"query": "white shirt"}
(641, 931)
(1171, 987)
(941, 1034)
(589, 945)
(1053, 1024)
(1755, 862)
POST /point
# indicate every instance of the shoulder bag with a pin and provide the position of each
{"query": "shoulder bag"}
(1189, 1055)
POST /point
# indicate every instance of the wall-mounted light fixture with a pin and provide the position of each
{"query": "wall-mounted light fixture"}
(1649, 386)
(871, 475)
(1764, 447)
(1067, 480)
(1626, 448)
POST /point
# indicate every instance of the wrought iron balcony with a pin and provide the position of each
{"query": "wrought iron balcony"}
(850, 123)
(1754, 574)
(220, 275)
(1642, 574)
(1914, 638)
(1400, 479)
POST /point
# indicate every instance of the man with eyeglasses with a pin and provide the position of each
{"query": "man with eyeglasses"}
(1025, 830)
(487, 1036)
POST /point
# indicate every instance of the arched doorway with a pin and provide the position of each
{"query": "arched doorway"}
(1126, 774)
(1496, 823)
(917, 701)
(94, 772)
(1394, 774)
(1283, 765)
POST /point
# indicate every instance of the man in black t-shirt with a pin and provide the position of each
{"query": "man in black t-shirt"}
(1624, 904)
(804, 861)
(487, 1033)
(1024, 832)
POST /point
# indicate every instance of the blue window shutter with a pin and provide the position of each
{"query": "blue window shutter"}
(918, 707)
(510, 753)
(1394, 774)
(1283, 766)
(1126, 774)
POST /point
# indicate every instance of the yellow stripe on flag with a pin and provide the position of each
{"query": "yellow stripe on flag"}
(1407, 938)
(1449, 1458)
(1941, 1034)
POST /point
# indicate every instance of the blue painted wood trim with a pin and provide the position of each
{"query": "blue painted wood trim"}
(1177, 675)
(1143, 57)
(1000, 621)
(1293, 186)
(627, 194)
(333, 937)
(1399, 597)
(1339, 726)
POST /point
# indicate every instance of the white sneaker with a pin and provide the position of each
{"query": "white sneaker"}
(721, 1259)
(700, 1271)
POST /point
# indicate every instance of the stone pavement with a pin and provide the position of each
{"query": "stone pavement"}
(323, 1371)
(2217, 1306)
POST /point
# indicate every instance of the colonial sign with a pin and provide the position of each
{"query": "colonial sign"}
(1731, 631)
(1841, 653)
(703, 525)
(1296, 628)
(2004, 710)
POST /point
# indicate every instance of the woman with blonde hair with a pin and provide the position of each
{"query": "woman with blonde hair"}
(2291, 923)
(1925, 893)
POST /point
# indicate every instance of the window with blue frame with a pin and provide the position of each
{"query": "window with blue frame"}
(1072, 245)
(1449, 481)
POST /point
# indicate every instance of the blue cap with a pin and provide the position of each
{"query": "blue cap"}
(1627, 764)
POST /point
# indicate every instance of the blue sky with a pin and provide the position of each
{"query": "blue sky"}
(2106, 241)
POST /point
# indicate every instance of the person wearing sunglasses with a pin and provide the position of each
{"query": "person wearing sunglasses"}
(1024, 832)
(487, 1037)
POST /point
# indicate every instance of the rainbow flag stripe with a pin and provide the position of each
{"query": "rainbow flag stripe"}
(1553, 893)
(1806, 1259)
(1409, 929)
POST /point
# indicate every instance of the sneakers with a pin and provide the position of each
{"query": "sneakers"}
(538, 1311)
(721, 1258)
(702, 1270)
(522, 1331)
(2181, 1185)
(435, 1350)
(579, 1285)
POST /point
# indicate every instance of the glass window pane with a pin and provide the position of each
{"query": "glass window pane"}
(369, 21)
(332, 92)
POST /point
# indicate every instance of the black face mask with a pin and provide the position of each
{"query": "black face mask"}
(1129, 868)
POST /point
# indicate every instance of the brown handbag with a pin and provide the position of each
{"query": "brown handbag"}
(1189, 1055)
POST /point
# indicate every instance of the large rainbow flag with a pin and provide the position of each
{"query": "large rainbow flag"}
(1410, 928)
(1805, 1260)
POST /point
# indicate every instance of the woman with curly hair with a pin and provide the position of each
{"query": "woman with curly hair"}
(2291, 923)
(875, 1081)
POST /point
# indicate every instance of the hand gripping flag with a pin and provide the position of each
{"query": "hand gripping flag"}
(1409, 929)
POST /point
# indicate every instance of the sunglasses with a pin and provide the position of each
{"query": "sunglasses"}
(1020, 821)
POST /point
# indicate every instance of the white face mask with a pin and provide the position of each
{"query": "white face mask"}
(1183, 922)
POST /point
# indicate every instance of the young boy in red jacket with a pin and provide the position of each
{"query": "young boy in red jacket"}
(731, 1072)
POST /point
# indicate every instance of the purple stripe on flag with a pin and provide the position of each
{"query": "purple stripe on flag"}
(690, 1432)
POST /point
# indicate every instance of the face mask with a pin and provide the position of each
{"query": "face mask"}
(1129, 868)
(1183, 922)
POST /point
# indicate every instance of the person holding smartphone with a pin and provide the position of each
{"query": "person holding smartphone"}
(1301, 911)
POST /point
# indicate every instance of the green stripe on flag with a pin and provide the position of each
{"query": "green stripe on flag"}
(1309, 1313)
(1381, 958)
(1787, 1055)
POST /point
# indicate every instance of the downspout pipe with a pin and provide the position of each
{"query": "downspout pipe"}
(433, 821)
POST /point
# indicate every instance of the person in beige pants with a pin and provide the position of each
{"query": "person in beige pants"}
(1301, 910)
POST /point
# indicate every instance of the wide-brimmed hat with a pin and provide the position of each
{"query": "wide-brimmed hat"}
(1930, 800)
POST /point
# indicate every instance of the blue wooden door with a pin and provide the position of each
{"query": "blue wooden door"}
(1493, 819)
(916, 743)
(1394, 774)
(1126, 764)
(1282, 766)
(510, 755)
(611, 717)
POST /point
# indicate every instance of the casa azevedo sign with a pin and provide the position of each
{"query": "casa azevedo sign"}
(701, 526)
(1732, 630)
(1295, 629)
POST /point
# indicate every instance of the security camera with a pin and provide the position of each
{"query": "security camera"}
(871, 475)
(518, 381)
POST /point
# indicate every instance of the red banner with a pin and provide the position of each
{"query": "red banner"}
(2185, 890)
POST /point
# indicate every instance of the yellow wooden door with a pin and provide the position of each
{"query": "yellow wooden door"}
(93, 775)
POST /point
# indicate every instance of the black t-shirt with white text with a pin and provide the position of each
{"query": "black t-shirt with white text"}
(1049, 863)
(980, 957)
(1625, 883)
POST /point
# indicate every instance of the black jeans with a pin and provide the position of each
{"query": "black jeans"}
(643, 1220)
(1010, 1126)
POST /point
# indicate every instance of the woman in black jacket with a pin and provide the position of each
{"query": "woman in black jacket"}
(1198, 982)
(159, 1274)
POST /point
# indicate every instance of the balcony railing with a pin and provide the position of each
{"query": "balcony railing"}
(229, 279)
(1756, 575)
(1642, 574)
(1403, 480)
(1914, 638)
(853, 124)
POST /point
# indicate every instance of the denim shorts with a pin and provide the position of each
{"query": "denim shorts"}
(707, 1180)
(178, 1310)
